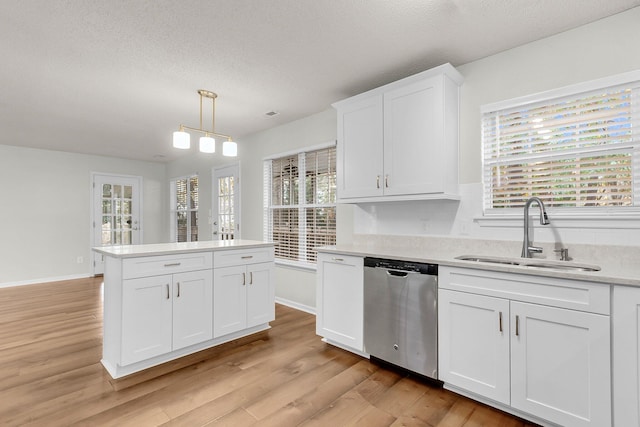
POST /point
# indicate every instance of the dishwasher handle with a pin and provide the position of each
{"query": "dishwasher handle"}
(400, 273)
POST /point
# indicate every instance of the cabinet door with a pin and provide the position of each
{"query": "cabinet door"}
(414, 138)
(626, 355)
(260, 294)
(474, 343)
(340, 300)
(560, 365)
(192, 308)
(359, 153)
(146, 318)
(229, 300)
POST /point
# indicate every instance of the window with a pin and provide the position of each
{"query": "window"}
(184, 209)
(300, 203)
(576, 148)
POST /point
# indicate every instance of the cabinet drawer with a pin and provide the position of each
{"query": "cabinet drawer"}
(242, 256)
(165, 264)
(563, 293)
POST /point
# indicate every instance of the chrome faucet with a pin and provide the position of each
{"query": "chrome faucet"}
(527, 249)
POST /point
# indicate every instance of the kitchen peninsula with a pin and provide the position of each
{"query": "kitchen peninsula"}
(164, 301)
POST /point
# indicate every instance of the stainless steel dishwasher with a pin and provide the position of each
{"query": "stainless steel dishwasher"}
(401, 314)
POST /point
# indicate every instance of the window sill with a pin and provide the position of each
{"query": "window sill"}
(610, 221)
(294, 265)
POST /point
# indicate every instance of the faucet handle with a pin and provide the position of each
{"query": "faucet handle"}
(564, 254)
(535, 249)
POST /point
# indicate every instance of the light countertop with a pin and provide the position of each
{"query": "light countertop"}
(618, 266)
(130, 251)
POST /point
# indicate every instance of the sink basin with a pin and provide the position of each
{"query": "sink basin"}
(531, 263)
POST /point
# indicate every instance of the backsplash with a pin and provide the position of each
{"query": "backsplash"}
(464, 219)
(611, 255)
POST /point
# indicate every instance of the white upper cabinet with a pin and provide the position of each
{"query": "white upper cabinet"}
(400, 141)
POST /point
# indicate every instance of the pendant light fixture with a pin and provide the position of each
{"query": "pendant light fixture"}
(207, 144)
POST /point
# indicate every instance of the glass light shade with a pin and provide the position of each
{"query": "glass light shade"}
(229, 149)
(181, 140)
(207, 144)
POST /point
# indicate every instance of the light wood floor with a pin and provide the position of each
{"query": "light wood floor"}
(50, 375)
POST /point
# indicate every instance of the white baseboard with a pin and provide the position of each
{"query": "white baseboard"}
(296, 305)
(43, 280)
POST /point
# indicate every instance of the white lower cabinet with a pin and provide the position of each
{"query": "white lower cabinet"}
(539, 346)
(243, 297)
(474, 343)
(340, 300)
(165, 313)
(626, 356)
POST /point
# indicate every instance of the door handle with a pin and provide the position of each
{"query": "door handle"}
(244, 279)
(178, 290)
(251, 277)
(500, 320)
(168, 296)
(517, 325)
(377, 181)
(386, 181)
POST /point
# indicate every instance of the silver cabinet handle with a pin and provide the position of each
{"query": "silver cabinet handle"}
(178, 290)
(386, 181)
(377, 181)
(172, 264)
(338, 259)
(244, 279)
(251, 277)
(247, 257)
(500, 320)
(168, 296)
(517, 325)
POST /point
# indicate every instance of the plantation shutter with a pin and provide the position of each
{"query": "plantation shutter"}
(573, 151)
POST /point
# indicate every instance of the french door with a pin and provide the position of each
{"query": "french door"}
(116, 218)
(226, 203)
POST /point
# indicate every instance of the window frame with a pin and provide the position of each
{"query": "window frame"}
(188, 210)
(268, 209)
(578, 217)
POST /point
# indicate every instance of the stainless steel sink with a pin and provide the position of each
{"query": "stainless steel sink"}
(531, 263)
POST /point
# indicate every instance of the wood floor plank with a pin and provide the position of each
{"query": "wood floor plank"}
(50, 375)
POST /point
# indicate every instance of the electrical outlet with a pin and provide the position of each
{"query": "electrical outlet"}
(80, 260)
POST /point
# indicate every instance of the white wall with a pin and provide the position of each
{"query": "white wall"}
(45, 211)
(606, 47)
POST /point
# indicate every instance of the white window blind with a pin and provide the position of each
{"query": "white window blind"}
(184, 209)
(300, 203)
(577, 152)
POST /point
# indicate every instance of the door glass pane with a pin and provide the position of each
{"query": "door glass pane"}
(126, 221)
(226, 218)
(181, 234)
(126, 238)
(128, 190)
(106, 206)
(106, 190)
(194, 226)
(106, 230)
(126, 207)
(117, 191)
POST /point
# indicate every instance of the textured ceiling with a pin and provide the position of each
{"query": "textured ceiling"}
(117, 77)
